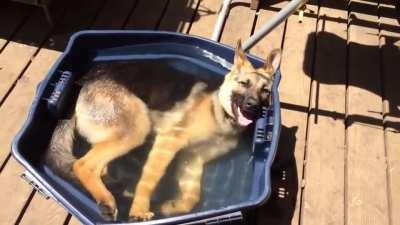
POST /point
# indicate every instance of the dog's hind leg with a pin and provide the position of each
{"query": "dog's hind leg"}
(90, 167)
(114, 121)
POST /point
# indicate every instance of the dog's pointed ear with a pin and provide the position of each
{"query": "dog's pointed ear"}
(273, 61)
(240, 57)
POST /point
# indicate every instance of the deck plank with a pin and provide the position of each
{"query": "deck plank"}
(44, 212)
(238, 25)
(326, 139)
(15, 192)
(294, 95)
(74, 221)
(15, 108)
(35, 31)
(178, 16)
(274, 38)
(146, 14)
(366, 195)
(12, 15)
(390, 54)
(205, 19)
(114, 14)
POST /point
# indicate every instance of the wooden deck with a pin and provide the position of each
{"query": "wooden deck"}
(339, 152)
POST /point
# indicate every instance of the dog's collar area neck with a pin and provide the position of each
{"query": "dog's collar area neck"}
(229, 118)
(222, 99)
(226, 121)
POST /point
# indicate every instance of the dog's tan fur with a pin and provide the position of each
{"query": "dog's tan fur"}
(114, 120)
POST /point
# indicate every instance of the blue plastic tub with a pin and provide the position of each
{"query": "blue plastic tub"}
(232, 187)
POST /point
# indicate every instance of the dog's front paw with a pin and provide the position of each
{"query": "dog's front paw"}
(108, 211)
(138, 213)
(140, 216)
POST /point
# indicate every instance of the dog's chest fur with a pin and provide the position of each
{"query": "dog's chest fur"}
(201, 117)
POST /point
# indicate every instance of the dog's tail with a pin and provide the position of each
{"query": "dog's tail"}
(59, 155)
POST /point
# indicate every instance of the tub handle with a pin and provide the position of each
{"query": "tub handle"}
(231, 218)
(31, 180)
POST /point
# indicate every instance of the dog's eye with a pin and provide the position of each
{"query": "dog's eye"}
(266, 90)
(244, 83)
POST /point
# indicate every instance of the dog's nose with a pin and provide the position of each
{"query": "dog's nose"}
(250, 103)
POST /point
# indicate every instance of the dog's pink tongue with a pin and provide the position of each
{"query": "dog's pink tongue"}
(242, 120)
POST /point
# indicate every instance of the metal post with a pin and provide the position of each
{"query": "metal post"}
(220, 20)
(273, 22)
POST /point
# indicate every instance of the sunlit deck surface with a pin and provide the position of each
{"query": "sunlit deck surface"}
(339, 151)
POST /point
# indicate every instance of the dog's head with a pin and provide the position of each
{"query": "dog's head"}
(246, 89)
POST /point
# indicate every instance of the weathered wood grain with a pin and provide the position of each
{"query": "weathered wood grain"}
(323, 195)
(178, 15)
(296, 67)
(23, 47)
(366, 183)
(11, 17)
(205, 18)
(238, 25)
(390, 58)
(147, 15)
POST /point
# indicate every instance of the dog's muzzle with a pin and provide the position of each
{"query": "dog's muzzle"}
(246, 109)
(251, 107)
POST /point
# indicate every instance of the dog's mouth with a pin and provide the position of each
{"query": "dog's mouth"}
(242, 117)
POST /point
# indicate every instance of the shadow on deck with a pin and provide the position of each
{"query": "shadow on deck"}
(34, 19)
(356, 77)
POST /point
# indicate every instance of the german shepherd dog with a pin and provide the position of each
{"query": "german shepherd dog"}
(115, 119)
